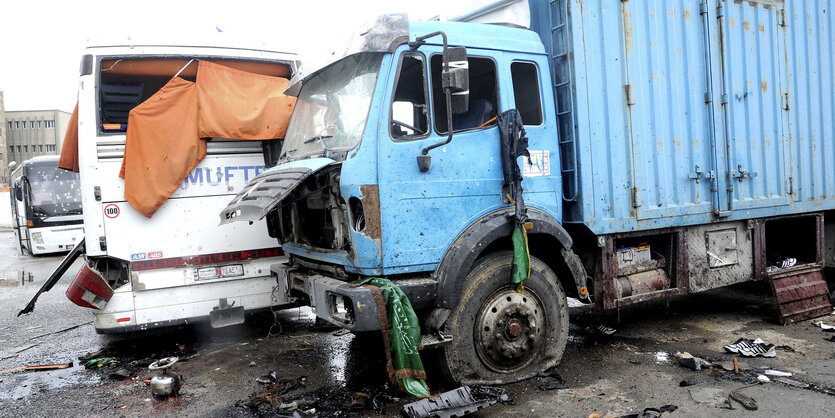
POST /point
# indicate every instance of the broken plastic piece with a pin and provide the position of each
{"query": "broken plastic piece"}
(825, 327)
(267, 379)
(455, 403)
(779, 373)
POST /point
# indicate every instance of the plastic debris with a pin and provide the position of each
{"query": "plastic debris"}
(455, 403)
(763, 378)
(686, 359)
(751, 348)
(685, 383)
(778, 373)
(785, 263)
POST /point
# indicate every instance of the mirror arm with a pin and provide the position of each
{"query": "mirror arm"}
(424, 160)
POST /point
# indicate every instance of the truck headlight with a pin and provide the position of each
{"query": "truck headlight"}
(37, 237)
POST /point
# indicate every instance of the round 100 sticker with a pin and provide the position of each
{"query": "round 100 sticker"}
(111, 211)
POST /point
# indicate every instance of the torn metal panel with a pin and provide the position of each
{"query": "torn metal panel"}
(56, 275)
(266, 191)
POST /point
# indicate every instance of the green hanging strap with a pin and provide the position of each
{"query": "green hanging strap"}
(401, 335)
(520, 268)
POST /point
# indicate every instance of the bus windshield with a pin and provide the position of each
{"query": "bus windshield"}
(53, 191)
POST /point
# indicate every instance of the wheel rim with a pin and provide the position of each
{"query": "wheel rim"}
(509, 329)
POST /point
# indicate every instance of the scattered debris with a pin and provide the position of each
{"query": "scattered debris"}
(825, 327)
(689, 382)
(17, 350)
(751, 348)
(340, 332)
(251, 364)
(792, 382)
(555, 381)
(359, 402)
(662, 357)
(98, 362)
(830, 339)
(121, 374)
(746, 401)
(91, 355)
(455, 403)
(41, 367)
(686, 359)
(746, 377)
(267, 379)
(763, 378)
(778, 373)
(120, 406)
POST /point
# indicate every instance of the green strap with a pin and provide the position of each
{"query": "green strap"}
(520, 268)
(401, 333)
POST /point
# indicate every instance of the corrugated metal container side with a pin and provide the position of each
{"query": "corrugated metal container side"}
(683, 112)
(811, 62)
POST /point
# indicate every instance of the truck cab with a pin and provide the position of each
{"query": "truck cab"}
(348, 199)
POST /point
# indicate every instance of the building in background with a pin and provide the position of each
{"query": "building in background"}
(30, 133)
(4, 160)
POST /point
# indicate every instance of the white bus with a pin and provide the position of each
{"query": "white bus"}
(177, 266)
(46, 207)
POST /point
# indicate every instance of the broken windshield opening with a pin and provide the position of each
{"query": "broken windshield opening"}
(332, 107)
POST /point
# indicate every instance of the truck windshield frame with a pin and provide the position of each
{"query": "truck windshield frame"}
(332, 109)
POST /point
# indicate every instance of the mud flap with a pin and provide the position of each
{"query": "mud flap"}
(225, 315)
(55, 276)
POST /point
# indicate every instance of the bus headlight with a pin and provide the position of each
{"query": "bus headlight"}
(36, 236)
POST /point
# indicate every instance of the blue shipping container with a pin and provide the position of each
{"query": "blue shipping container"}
(686, 112)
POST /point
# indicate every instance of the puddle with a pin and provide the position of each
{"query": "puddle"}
(15, 278)
(25, 383)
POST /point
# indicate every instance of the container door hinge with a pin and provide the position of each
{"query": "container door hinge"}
(97, 193)
(636, 198)
(781, 18)
(703, 7)
(630, 95)
(786, 105)
(103, 243)
(791, 185)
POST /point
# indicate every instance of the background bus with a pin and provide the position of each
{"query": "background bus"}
(46, 207)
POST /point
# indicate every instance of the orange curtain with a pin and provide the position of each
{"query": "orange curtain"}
(69, 149)
(241, 105)
(162, 145)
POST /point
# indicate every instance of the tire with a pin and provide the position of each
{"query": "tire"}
(496, 338)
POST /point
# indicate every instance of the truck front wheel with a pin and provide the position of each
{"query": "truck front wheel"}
(501, 335)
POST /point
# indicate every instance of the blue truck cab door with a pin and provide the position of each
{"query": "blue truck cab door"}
(422, 212)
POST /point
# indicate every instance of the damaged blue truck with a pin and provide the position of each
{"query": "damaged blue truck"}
(672, 147)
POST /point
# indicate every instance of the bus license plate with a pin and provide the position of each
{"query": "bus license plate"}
(208, 273)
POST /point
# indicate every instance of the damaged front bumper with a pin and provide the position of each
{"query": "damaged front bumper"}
(342, 303)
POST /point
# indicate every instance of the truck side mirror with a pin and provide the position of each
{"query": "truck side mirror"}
(18, 190)
(456, 78)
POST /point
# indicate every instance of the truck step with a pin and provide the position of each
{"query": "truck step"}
(801, 293)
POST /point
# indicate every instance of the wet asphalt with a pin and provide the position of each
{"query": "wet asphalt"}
(622, 373)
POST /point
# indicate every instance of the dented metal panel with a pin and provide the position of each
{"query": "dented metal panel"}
(801, 294)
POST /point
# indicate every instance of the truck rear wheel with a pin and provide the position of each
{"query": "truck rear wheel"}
(501, 335)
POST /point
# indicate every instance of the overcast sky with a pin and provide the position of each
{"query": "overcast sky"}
(43, 40)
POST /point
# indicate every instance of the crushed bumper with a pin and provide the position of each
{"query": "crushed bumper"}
(342, 303)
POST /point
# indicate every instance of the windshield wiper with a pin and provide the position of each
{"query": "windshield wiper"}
(327, 153)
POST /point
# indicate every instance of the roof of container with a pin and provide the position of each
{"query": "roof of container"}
(480, 35)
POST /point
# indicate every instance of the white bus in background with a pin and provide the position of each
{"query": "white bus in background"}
(46, 207)
(178, 266)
